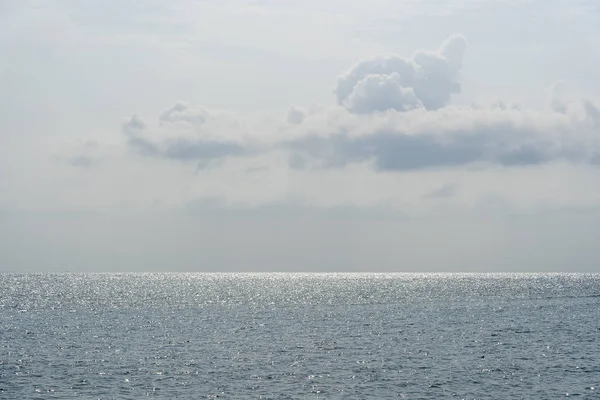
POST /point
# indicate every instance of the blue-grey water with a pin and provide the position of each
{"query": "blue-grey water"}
(282, 336)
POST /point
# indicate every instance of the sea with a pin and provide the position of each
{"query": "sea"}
(299, 336)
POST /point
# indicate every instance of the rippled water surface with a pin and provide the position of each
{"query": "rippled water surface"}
(350, 336)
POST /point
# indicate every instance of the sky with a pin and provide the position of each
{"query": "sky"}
(313, 136)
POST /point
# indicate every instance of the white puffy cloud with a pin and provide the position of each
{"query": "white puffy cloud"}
(381, 83)
(379, 93)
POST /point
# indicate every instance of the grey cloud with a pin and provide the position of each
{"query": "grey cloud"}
(298, 161)
(132, 130)
(564, 100)
(181, 112)
(207, 164)
(84, 155)
(134, 124)
(402, 140)
(290, 207)
(401, 151)
(182, 149)
(389, 151)
(445, 191)
(295, 116)
(143, 146)
(557, 94)
(381, 83)
(81, 161)
(392, 141)
(592, 112)
(524, 155)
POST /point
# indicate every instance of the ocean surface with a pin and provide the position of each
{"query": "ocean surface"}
(297, 336)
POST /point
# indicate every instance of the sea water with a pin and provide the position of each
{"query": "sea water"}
(296, 336)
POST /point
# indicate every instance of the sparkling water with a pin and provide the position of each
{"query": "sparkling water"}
(294, 336)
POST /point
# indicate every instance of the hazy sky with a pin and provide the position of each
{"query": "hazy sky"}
(299, 135)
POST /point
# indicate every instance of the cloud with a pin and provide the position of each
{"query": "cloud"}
(182, 149)
(82, 154)
(417, 139)
(179, 148)
(394, 115)
(295, 116)
(380, 93)
(393, 82)
(593, 113)
(134, 124)
(448, 190)
(181, 112)
(132, 130)
(81, 161)
(452, 137)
